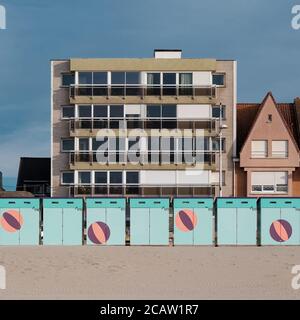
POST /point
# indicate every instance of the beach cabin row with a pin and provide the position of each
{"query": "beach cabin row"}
(150, 221)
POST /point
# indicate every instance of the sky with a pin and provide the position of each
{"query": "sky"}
(256, 33)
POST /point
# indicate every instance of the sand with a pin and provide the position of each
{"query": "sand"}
(149, 272)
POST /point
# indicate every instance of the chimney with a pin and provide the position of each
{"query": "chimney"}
(167, 54)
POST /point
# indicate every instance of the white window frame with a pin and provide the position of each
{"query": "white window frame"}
(61, 145)
(67, 106)
(283, 154)
(274, 185)
(61, 178)
(256, 155)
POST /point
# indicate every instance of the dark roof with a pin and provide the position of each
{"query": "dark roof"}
(248, 112)
(34, 169)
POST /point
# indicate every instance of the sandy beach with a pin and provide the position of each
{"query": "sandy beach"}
(149, 272)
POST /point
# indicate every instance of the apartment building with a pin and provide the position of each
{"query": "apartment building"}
(268, 145)
(143, 127)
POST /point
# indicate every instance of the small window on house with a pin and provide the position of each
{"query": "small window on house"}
(67, 144)
(67, 177)
(269, 118)
(259, 148)
(269, 182)
(216, 111)
(279, 148)
(218, 79)
(67, 79)
(68, 112)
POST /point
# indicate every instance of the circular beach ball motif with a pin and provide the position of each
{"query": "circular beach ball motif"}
(186, 220)
(11, 220)
(99, 232)
(281, 230)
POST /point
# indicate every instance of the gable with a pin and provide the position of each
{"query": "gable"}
(270, 125)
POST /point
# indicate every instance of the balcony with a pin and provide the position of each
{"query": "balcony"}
(140, 190)
(141, 93)
(205, 160)
(89, 127)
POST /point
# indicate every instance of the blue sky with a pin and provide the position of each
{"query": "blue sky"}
(257, 33)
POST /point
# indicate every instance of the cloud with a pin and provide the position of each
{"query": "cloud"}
(31, 141)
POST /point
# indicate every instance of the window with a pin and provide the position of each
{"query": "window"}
(269, 118)
(85, 111)
(132, 77)
(84, 177)
(68, 112)
(84, 144)
(117, 77)
(216, 112)
(132, 177)
(67, 145)
(279, 148)
(100, 177)
(133, 143)
(67, 177)
(153, 111)
(100, 111)
(99, 77)
(185, 79)
(67, 79)
(218, 79)
(169, 111)
(92, 78)
(269, 182)
(85, 78)
(169, 78)
(153, 78)
(115, 177)
(259, 148)
(202, 143)
(216, 144)
(116, 111)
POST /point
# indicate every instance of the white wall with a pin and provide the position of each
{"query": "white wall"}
(190, 111)
(202, 78)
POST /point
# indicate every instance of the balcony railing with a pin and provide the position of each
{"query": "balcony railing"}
(141, 190)
(141, 90)
(144, 158)
(142, 123)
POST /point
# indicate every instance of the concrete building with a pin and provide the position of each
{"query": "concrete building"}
(143, 127)
(268, 148)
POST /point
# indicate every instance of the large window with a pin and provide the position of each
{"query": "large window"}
(116, 177)
(269, 182)
(259, 148)
(67, 79)
(279, 148)
(92, 78)
(100, 111)
(132, 177)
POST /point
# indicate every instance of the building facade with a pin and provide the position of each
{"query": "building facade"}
(143, 127)
(268, 148)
